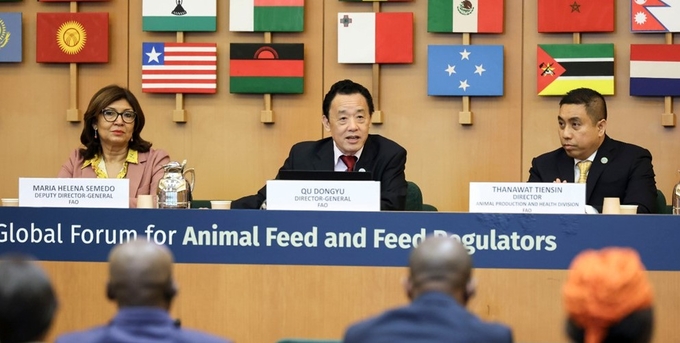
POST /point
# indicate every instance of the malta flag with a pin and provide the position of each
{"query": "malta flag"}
(575, 16)
(266, 15)
(563, 67)
(72, 37)
(655, 15)
(10, 37)
(179, 67)
(475, 16)
(266, 68)
(164, 15)
(375, 37)
(655, 69)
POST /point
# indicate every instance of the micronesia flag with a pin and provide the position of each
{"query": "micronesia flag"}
(465, 70)
(655, 69)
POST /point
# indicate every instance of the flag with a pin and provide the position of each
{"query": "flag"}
(10, 0)
(482, 16)
(60, 0)
(73, 37)
(179, 67)
(376, 0)
(266, 15)
(266, 68)
(575, 15)
(465, 70)
(375, 37)
(563, 67)
(655, 15)
(194, 15)
(655, 69)
(10, 37)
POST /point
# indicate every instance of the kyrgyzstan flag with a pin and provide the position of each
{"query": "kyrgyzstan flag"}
(375, 37)
(73, 37)
(266, 68)
(575, 16)
(476, 16)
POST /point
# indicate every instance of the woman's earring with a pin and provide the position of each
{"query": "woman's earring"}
(95, 133)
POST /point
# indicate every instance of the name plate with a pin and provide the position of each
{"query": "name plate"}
(523, 197)
(61, 192)
(317, 195)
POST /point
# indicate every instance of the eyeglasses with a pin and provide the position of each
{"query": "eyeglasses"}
(111, 115)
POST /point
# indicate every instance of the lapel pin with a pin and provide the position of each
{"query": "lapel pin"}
(604, 160)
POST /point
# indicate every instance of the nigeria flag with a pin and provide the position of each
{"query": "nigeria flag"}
(186, 15)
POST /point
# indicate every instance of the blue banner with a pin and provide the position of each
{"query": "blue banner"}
(520, 241)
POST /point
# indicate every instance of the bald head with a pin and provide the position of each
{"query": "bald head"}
(140, 274)
(440, 264)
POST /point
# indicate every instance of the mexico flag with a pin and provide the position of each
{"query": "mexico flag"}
(375, 37)
(164, 15)
(72, 37)
(480, 16)
(266, 68)
(563, 67)
(266, 15)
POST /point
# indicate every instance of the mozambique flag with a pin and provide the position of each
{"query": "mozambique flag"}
(73, 37)
(563, 67)
(266, 68)
(575, 15)
(481, 16)
(266, 15)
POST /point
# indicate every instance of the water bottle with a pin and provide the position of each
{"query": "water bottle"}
(676, 198)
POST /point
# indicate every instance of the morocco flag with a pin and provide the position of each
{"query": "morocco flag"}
(266, 68)
(375, 37)
(73, 37)
(266, 15)
(575, 15)
(481, 16)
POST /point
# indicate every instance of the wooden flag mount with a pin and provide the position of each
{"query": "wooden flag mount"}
(179, 114)
(377, 116)
(668, 117)
(465, 116)
(267, 115)
(73, 114)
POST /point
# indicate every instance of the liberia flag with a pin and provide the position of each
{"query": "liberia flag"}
(72, 38)
(575, 15)
(266, 68)
(179, 67)
(375, 37)
(655, 16)
(266, 15)
(480, 16)
(655, 69)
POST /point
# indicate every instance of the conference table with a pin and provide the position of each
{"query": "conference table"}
(259, 276)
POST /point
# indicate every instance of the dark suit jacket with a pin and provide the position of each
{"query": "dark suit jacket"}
(619, 170)
(432, 317)
(385, 159)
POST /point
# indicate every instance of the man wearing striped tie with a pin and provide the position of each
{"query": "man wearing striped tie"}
(609, 168)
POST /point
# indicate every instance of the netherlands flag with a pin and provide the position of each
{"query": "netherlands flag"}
(655, 69)
(179, 68)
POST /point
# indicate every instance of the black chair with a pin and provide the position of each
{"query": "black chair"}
(414, 199)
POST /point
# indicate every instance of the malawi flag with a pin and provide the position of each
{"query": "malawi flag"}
(655, 69)
(179, 67)
(654, 16)
(480, 16)
(575, 15)
(72, 37)
(10, 36)
(563, 67)
(266, 15)
(266, 68)
(194, 15)
(375, 37)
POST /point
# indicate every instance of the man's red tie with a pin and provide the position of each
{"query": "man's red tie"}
(349, 161)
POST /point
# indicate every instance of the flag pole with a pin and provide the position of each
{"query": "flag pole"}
(465, 116)
(668, 117)
(73, 114)
(577, 38)
(267, 115)
(179, 114)
(376, 117)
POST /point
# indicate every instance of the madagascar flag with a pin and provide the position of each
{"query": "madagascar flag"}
(266, 68)
(73, 37)
(575, 15)
(563, 67)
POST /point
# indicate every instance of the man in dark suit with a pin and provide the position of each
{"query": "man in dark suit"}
(141, 284)
(439, 286)
(347, 111)
(609, 168)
